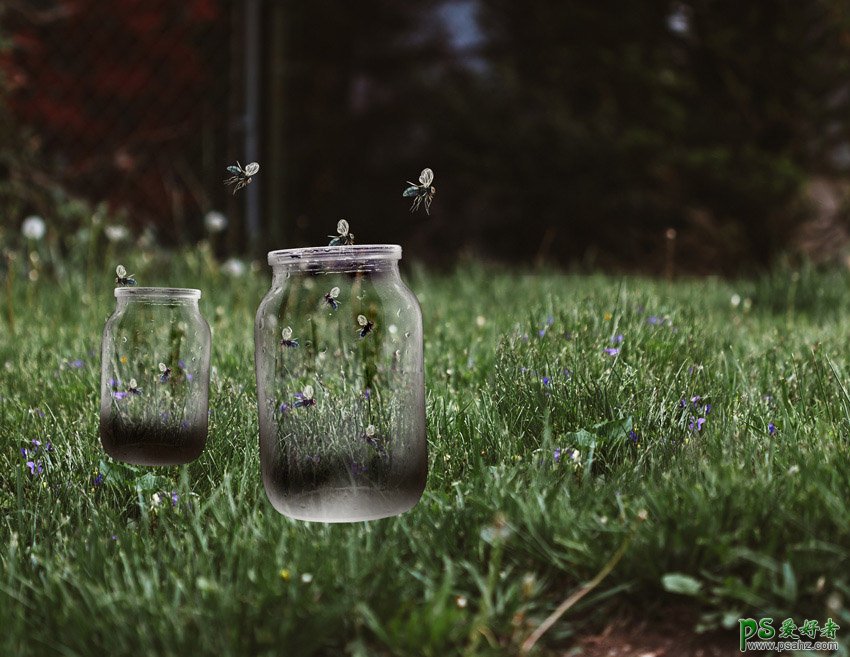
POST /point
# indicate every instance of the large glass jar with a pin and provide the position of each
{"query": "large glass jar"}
(155, 373)
(340, 385)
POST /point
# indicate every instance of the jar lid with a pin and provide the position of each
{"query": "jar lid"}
(336, 253)
(157, 293)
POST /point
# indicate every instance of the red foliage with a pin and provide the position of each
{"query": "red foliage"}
(112, 82)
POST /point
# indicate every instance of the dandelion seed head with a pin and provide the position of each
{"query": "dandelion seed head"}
(116, 233)
(33, 228)
(215, 221)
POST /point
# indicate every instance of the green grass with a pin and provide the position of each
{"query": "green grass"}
(759, 523)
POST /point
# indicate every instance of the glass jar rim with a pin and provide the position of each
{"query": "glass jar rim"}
(157, 293)
(336, 253)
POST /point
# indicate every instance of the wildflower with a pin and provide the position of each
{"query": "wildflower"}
(284, 574)
(174, 498)
(98, 480)
(35, 468)
(541, 333)
(357, 469)
(215, 221)
(283, 408)
(546, 381)
(568, 373)
(695, 400)
(611, 351)
(607, 317)
(794, 469)
(233, 267)
(550, 320)
(306, 578)
(367, 394)
(480, 321)
(33, 228)
(696, 424)
(461, 601)
(617, 339)
(735, 300)
(634, 436)
(707, 409)
(654, 320)
(116, 233)
(771, 428)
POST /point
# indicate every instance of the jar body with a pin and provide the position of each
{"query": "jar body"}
(340, 389)
(155, 366)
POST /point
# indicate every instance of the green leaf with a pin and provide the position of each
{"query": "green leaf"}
(681, 583)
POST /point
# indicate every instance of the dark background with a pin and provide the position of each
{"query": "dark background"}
(561, 132)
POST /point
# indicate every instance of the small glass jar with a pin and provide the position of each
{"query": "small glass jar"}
(340, 385)
(155, 373)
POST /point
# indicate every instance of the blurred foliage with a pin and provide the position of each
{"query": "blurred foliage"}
(570, 132)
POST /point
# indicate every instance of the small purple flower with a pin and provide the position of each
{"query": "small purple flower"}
(120, 394)
(612, 351)
(617, 339)
(98, 480)
(523, 370)
(654, 320)
(633, 436)
(38, 412)
(556, 455)
(357, 469)
(696, 424)
(546, 381)
(707, 409)
(77, 364)
(184, 425)
(114, 537)
(175, 498)
(36, 443)
(35, 468)
(367, 394)
(771, 428)
(695, 400)
(524, 337)
(24, 452)
(283, 408)
(541, 333)
(181, 364)
(550, 320)
(568, 373)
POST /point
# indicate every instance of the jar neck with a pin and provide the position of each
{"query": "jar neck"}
(124, 302)
(382, 266)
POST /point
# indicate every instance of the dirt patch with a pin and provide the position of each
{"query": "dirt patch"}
(669, 635)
